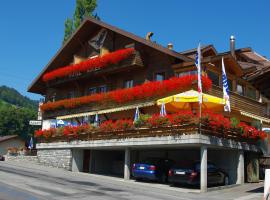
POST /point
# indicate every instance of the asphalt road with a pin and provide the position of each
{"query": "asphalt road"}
(25, 181)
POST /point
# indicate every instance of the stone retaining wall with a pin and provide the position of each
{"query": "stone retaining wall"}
(60, 158)
(22, 158)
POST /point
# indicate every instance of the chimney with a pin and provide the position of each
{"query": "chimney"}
(149, 35)
(232, 45)
(170, 46)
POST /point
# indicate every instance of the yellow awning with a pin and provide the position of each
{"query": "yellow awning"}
(129, 107)
(189, 100)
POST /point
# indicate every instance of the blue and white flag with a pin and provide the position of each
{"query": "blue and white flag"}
(226, 97)
(31, 144)
(199, 70)
(163, 110)
(96, 121)
(137, 114)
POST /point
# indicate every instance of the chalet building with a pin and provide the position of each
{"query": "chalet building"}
(107, 72)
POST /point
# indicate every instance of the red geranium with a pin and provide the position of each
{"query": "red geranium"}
(38, 133)
(144, 91)
(89, 65)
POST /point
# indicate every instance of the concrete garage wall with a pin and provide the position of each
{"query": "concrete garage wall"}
(60, 158)
(107, 162)
(226, 160)
(177, 155)
(77, 160)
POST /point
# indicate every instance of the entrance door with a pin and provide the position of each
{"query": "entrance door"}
(86, 160)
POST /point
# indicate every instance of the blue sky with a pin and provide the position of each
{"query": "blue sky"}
(32, 31)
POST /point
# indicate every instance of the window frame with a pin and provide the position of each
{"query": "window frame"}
(129, 81)
(159, 72)
(103, 86)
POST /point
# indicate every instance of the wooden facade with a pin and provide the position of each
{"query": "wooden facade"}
(148, 61)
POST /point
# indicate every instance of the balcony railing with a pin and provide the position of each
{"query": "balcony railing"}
(134, 61)
(176, 130)
(239, 102)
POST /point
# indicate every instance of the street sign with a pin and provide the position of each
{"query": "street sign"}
(35, 122)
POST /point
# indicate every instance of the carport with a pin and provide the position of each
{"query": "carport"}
(115, 157)
(99, 161)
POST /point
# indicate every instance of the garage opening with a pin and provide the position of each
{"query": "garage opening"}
(163, 160)
(107, 162)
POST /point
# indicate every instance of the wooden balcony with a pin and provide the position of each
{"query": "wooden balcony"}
(239, 102)
(173, 131)
(132, 62)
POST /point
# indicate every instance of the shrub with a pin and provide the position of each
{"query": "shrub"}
(142, 121)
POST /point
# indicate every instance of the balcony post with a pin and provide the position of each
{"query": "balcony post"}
(127, 164)
(240, 168)
(203, 172)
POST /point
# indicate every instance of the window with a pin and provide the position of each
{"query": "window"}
(180, 74)
(128, 84)
(102, 88)
(214, 77)
(160, 76)
(71, 94)
(92, 90)
(251, 93)
(240, 89)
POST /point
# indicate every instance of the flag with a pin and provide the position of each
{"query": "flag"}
(163, 110)
(137, 114)
(198, 65)
(31, 144)
(96, 121)
(226, 97)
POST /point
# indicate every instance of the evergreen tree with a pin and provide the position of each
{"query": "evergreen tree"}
(68, 29)
(84, 8)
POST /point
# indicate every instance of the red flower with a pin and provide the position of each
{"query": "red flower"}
(144, 91)
(157, 120)
(38, 133)
(89, 65)
(106, 126)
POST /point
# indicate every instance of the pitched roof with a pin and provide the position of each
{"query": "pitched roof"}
(7, 137)
(88, 26)
(191, 53)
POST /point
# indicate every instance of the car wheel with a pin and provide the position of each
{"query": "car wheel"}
(226, 180)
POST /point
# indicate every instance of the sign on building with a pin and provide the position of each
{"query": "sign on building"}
(35, 122)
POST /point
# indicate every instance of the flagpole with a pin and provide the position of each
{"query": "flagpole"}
(200, 99)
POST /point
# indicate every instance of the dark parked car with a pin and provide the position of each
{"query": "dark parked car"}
(155, 169)
(189, 173)
(2, 158)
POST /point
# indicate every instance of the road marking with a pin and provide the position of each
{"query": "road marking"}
(248, 197)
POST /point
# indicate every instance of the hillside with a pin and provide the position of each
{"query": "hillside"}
(13, 97)
(15, 112)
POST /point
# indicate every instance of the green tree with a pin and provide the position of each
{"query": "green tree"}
(68, 29)
(16, 111)
(84, 8)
